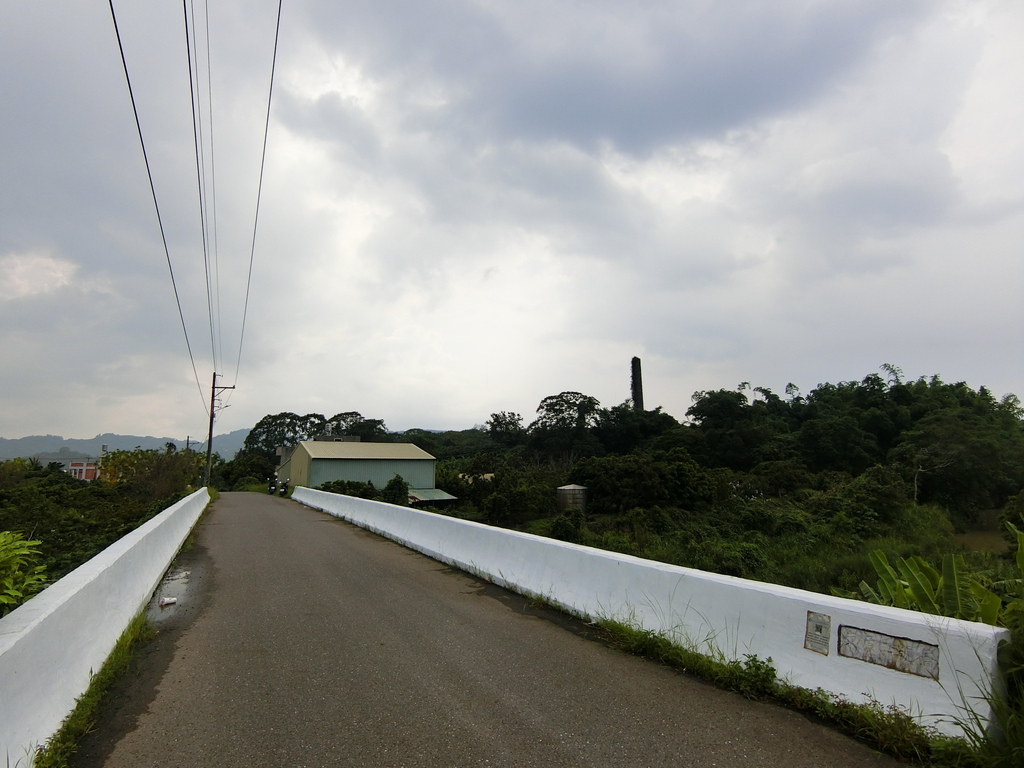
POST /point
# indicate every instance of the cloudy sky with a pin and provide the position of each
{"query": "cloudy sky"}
(471, 204)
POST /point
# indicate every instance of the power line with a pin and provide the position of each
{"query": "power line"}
(197, 140)
(215, 250)
(259, 190)
(206, 174)
(156, 204)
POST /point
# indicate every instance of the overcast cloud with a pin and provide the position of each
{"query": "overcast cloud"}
(469, 206)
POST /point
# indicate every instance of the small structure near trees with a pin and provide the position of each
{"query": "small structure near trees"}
(572, 497)
(314, 463)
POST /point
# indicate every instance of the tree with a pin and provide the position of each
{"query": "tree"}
(75, 519)
(396, 491)
(288, 429)
(623, 428)
(506, 428)
(568, 411)
(738, 434)
(964, 459)
(228, 475)
(561, 430)
(462, 443)
(836, 442)
(421, 438)
(283, 429)
(619, 483)
(370, 431)
(352, 423)
(518, 495)
(152, 474)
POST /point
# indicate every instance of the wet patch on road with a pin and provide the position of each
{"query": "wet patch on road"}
(171, 597)
(187, 583)
(528, 606)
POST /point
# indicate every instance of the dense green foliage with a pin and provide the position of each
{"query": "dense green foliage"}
(289, 429)
(795, 490)
(73, 520)
(20, 576)
(247, 469)
(856, 487)
(396, 492)
(353, 488)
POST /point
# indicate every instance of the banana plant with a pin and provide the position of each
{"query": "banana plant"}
(1013, 589)
(916, 585)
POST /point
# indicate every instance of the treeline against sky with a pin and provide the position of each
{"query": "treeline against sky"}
(792, 488)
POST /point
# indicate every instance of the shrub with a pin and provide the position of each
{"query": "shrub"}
(20, 577)
(244, 483)
(568, 526)
(396, 491)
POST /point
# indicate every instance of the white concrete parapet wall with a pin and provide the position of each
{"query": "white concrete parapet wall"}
(52, 645)
(937, 669)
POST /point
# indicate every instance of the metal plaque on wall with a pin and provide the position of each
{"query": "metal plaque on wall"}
(900, 653)
(818, 637)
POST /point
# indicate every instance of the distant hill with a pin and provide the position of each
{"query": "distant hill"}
(45, 446)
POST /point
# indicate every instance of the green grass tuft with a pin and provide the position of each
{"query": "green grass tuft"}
(62, 745)
(889, 729)
(755, 678)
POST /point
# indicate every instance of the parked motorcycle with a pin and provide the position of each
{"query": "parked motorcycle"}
(283, 487)
(272, 486)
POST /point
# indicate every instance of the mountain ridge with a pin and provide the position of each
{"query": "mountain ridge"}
(226, 444)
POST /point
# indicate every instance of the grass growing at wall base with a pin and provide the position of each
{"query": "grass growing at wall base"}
(889, 729)
(62, 745)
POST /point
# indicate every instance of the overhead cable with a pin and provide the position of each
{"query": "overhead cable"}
(214, 249)
(259, 191)
(193, 78)
(156, 204)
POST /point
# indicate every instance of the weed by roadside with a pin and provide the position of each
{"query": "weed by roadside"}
(62, 745)
(889, 729)
(753, 677)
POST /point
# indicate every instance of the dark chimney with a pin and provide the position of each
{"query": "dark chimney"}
(637, 386)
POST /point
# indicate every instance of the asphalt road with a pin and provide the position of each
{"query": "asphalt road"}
(303, 641)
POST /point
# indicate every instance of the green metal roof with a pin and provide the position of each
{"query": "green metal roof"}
(321, 449)
(430, 494)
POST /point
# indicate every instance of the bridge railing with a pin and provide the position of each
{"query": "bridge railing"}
(938, 669)
(52, 645)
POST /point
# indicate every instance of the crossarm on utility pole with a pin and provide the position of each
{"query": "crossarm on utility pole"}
(214, 389)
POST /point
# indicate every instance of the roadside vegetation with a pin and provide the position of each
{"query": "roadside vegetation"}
(50, 522)
(61, 747)
(887, 728)
(863, 489)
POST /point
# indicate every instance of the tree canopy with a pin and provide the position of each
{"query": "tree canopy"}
(289, 429)
(788, 487)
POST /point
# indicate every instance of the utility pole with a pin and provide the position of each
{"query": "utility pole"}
(214, 389)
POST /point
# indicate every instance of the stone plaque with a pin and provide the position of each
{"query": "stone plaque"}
(914, 657)
(818, 637)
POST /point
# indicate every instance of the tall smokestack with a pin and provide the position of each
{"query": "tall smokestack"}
(637, 386)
